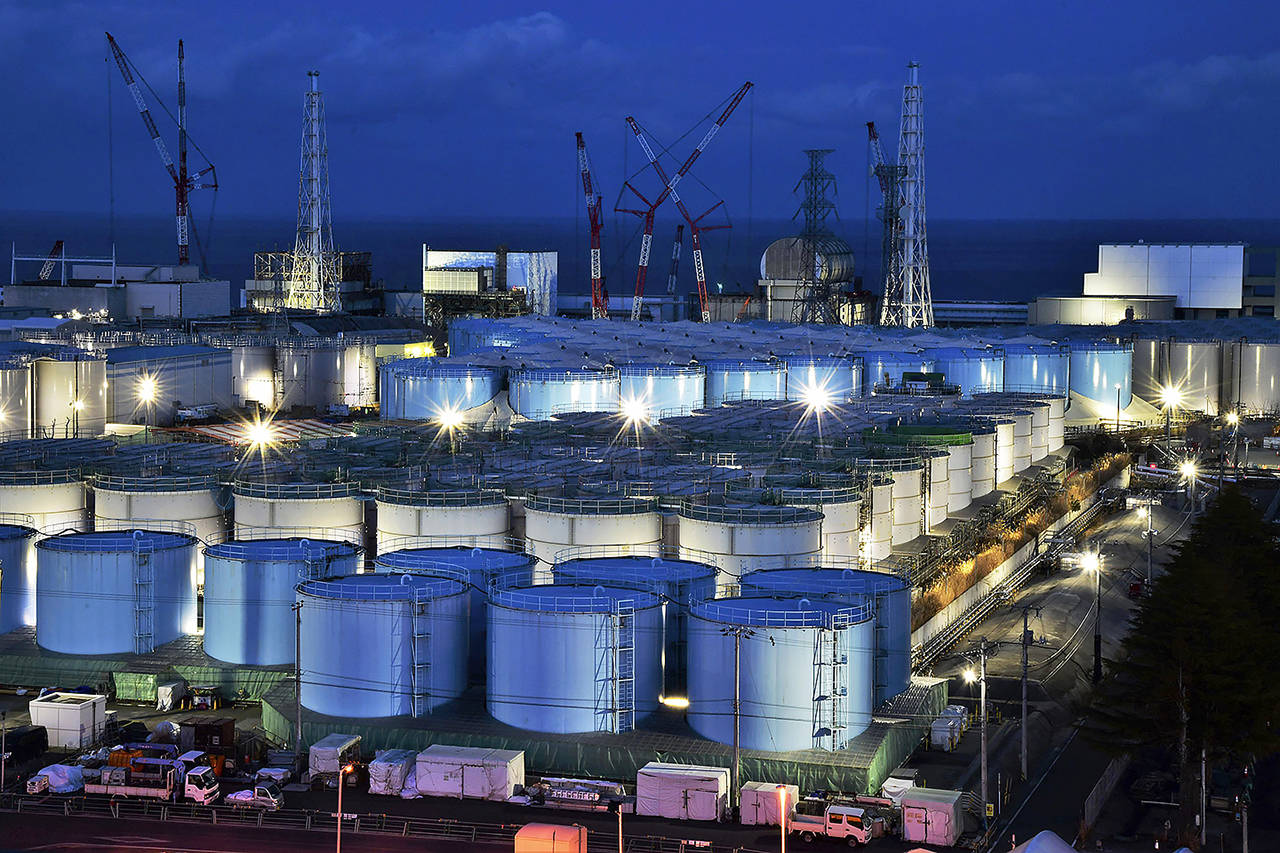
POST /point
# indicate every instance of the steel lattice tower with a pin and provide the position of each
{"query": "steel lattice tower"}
(908, 299)
(816, 299)
(312, 281)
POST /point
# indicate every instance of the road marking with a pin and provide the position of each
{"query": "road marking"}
(1061, 751)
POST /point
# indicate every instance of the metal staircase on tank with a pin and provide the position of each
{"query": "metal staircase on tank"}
(880, 632)
(144, 598)
(831, 686)
(615, 694)
(419, 655)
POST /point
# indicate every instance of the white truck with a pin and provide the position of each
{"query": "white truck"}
(157, 778)
(267, 797)
(852, 823)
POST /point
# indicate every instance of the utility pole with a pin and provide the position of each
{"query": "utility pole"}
(1026, 644)
(738, 632)
(1203, 800)
(297, 682)
(985, 649)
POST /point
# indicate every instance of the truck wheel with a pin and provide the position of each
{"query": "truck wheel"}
(807, 837)
(853, 841)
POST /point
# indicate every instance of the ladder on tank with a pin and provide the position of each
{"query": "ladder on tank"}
(831, 685)
(144, 598)
(419, 656)
(615, 699)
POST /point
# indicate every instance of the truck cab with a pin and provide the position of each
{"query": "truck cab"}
(201, 785)
(265, 796)
(848, 822)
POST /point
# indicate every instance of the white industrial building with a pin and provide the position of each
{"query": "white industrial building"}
(534, 273)
(120, 291)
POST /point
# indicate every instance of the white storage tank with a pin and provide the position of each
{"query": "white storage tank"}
(253, 365)
(1097, 367)
(741, 538)
(125, 591)
(15, 398)
(70, 393)
(1194, 367)
(310, 373)
(730, 379)
(479, 517)
(1056, 433)
(1255, 375)
(552, 524)
(569, 659)
(661, 390)
(429, 388)
(316, 510)
(841, 510)
(806, 671)
(1150, 375)
(383, 645)
(538, 393)
(55, 500)
(974, 371)
(121, 502)
(1037, 368)
(823, 380)
(938, 485)
(878, 537)
(984, 460)
(17, 575)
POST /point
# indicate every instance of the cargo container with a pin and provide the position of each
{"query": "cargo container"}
(551, 838)
(470, 772)
(682, 791)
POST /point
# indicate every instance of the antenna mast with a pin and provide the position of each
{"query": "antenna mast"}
(313, 281)
(909, 302)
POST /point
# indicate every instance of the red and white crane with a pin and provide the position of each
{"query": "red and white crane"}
(675, 259)
(669, 189)
(183, 182)
(599, 304)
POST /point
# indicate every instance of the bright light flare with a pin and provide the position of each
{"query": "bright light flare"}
(817, 399)
(1233, 418)
(78, 405)
(1188, 469)
(260, 434)
(1142, 513)
(969, 676)
(635, 410)
(1091, 562)
(1170, 396)
(674, 701)
(147, 389)
(450, 418)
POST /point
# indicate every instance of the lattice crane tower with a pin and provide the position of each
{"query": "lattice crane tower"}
(816, 299)
(909, 301)
(312, 282)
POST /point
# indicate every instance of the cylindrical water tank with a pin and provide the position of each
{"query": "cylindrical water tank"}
(741, 538)
(429, 388)
(661, 390)
(1056, 433)
(249, 594)
(319, 510)
(383, 645)
(1004, 448)
(823, 381)
(841, 510)
(785, 648)
(908, 501)
(889, 595)
(879, 534)
(1255, 375)
(569, 659)
(538, 393)
(886, 368)
(17, 577)
(1097, 367)
(1037, 368)
(974, 371)
(15, 399)
(253, 367)
(552, 524)
(984, 460)
(938, 478)
(959, 475)
(130, 502)
(730, 379)
(114, 592)
(55, 500)
(1195, 369)
(1149, 374)
(310, 371)
(70, 394)
(679, 583)
(1022, 420)
(479, 517)
(482, 567)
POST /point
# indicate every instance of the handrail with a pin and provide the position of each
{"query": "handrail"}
(303, 491)
(426, 586)
(441, 497)
(749, 514)
(104, 543)
(589, 506)
(162, 483)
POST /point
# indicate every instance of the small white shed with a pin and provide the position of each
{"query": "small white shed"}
(72, 720)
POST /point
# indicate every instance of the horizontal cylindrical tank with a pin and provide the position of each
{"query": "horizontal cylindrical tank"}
(121, 502)
(661, 390)
(482, 567)
(974, 371)
(114, 592)
(383, 645)
(70, 395)
(538, 393)
(429, 388)
(17, 577)
(568, 659)
(744, 379)
(841, 510)
(321, 510)
(886, 368)
(249, 594)
(740, 538)
(552, 524)
(823, 381)
(480, 517)
(1098, 367)
(55, 500)
(1037, 368)
(889, 595)
(1195, 369)
(806, 671)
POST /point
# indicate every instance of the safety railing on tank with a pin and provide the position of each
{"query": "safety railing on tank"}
(159, 525)
(653, 552)
(1034, 391)
(162, 483)
(917, 436)
(40, 478)
(589, 506)
(441, 497)
(480, 542)
(749, 514)
(541, 374)
(280, 547)
(394, 588)
(128, 539)
(916, 389)
(908, 461)
(803, 495)
(17, 519)
(303, 491)
(593, 597)
(758, 613)
(249, 533)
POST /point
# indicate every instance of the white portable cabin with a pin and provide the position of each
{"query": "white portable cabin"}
(759, 803)
(932, 815)
(470, 772)
(944, 733)
(682, 791)
(332, 752)
(389, 769)
(72, 720)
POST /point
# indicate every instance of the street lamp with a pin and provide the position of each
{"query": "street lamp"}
(782, 815)
(1170, 399)
(1117, 408)
(341, 773)
(147, 394)
(984, 650)
(1093, 563)
(1188, 471)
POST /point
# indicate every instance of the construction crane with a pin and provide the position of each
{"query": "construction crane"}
(908, 299)
(675, 259)
(183, 182)
(47, 269)
(889, 177)
(669, 189)
(599, 304)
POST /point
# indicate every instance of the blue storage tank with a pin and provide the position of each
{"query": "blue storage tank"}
(786, 647)
(538, 393)
(889, 596)
(249, 594)
(744, 379)
(975, 371)
(1037, 368)
(383, 645)
(1097, 367)
(115, 592)
(879, 365)
(679, 582)
(424, 388)
(555, 652)
(482, 567)
(662, 390)
(831, 378)
(17, 577)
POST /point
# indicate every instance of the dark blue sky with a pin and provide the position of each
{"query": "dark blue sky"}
(1040, 110)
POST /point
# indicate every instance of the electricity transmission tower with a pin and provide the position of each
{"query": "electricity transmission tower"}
(908, 300)
(816, 299)
(312, 280)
